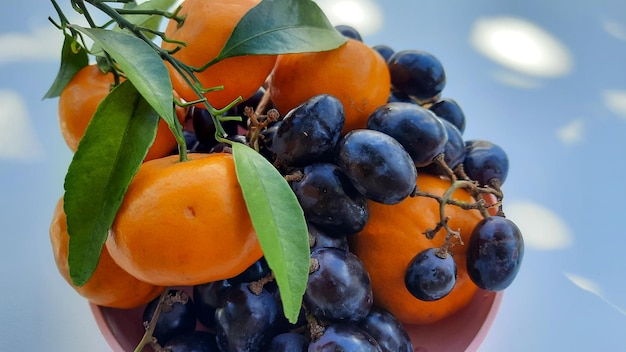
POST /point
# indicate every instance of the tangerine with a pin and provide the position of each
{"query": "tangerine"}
(207, 26)
(354, 73)
(394, 235)
(80, 99)
(184, 223)
(109, 285)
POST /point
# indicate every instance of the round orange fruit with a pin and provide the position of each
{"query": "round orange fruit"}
(354, 73)
(207, 26)
(184, 223)
(394, 234)
(109, 285)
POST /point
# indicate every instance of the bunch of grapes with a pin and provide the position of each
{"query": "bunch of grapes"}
(334, 177)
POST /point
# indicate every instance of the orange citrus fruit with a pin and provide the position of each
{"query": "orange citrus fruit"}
(184, 223)
(394, 235)
(80, 99)
(206, 28)
(109, 285)
(354, 73)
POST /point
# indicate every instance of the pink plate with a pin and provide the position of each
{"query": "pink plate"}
(463, 331)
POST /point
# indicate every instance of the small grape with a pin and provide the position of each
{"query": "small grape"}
(494, 253)
(310, 131)
(177, 316)
(288, 342)
(429, 276)
(207, 297)
(330, 200)
(340, 289)
(254, 272)
(418, 74)
(377, 164)
(387, 330)
(485, 161)
(246, 321)
(194, 341)
(418, 130)
(384, 50)
(449, 110)
(349, 32)
(340, 337)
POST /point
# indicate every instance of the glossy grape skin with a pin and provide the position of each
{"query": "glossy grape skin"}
(288, 342)
(417, 129)
(204, 127)
(340, 289)
(340, 337)
(246, 321)
(387, 330)
(180, 319)
(254, 272)
(453, 151)
(430, 277)
(309, 132)
(398, 97)
(195, 341)
(418, 74)
(330, 200)
(321, 239)
(485, 161)
(378, 166)
(494, 253)
(384, 50)
(449, 110)
(207, 297)
(349, 32)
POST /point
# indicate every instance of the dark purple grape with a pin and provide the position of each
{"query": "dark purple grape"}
(418, 74)
(321, 239)
(223, 147)
(288, 342)
(485, 161)
(204, 127)
(430, 277)
(494, 253)
(284, 325)
(384, 50)
(340, 289)
(453, 151)
(330, 200)
(178, 315)
(310, 131)
(398, 97)
(377, 164)
(417, 129)
(246, 321)
(349, 32)
(254, 272)
(194, 341)
(387, 330)
(449, 110)
(340, 337)
(207, 297)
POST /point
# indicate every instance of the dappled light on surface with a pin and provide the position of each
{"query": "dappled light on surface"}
(17, 138)
(592, 287)
(572, 132)
(521, 45)
(615, 101)
(541, 227)
(364, 15)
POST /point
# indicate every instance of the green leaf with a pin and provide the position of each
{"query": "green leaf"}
(282, 27)
(279, 223)
(142, 65)
(73, 58)
(108, 156)
(151, 21)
